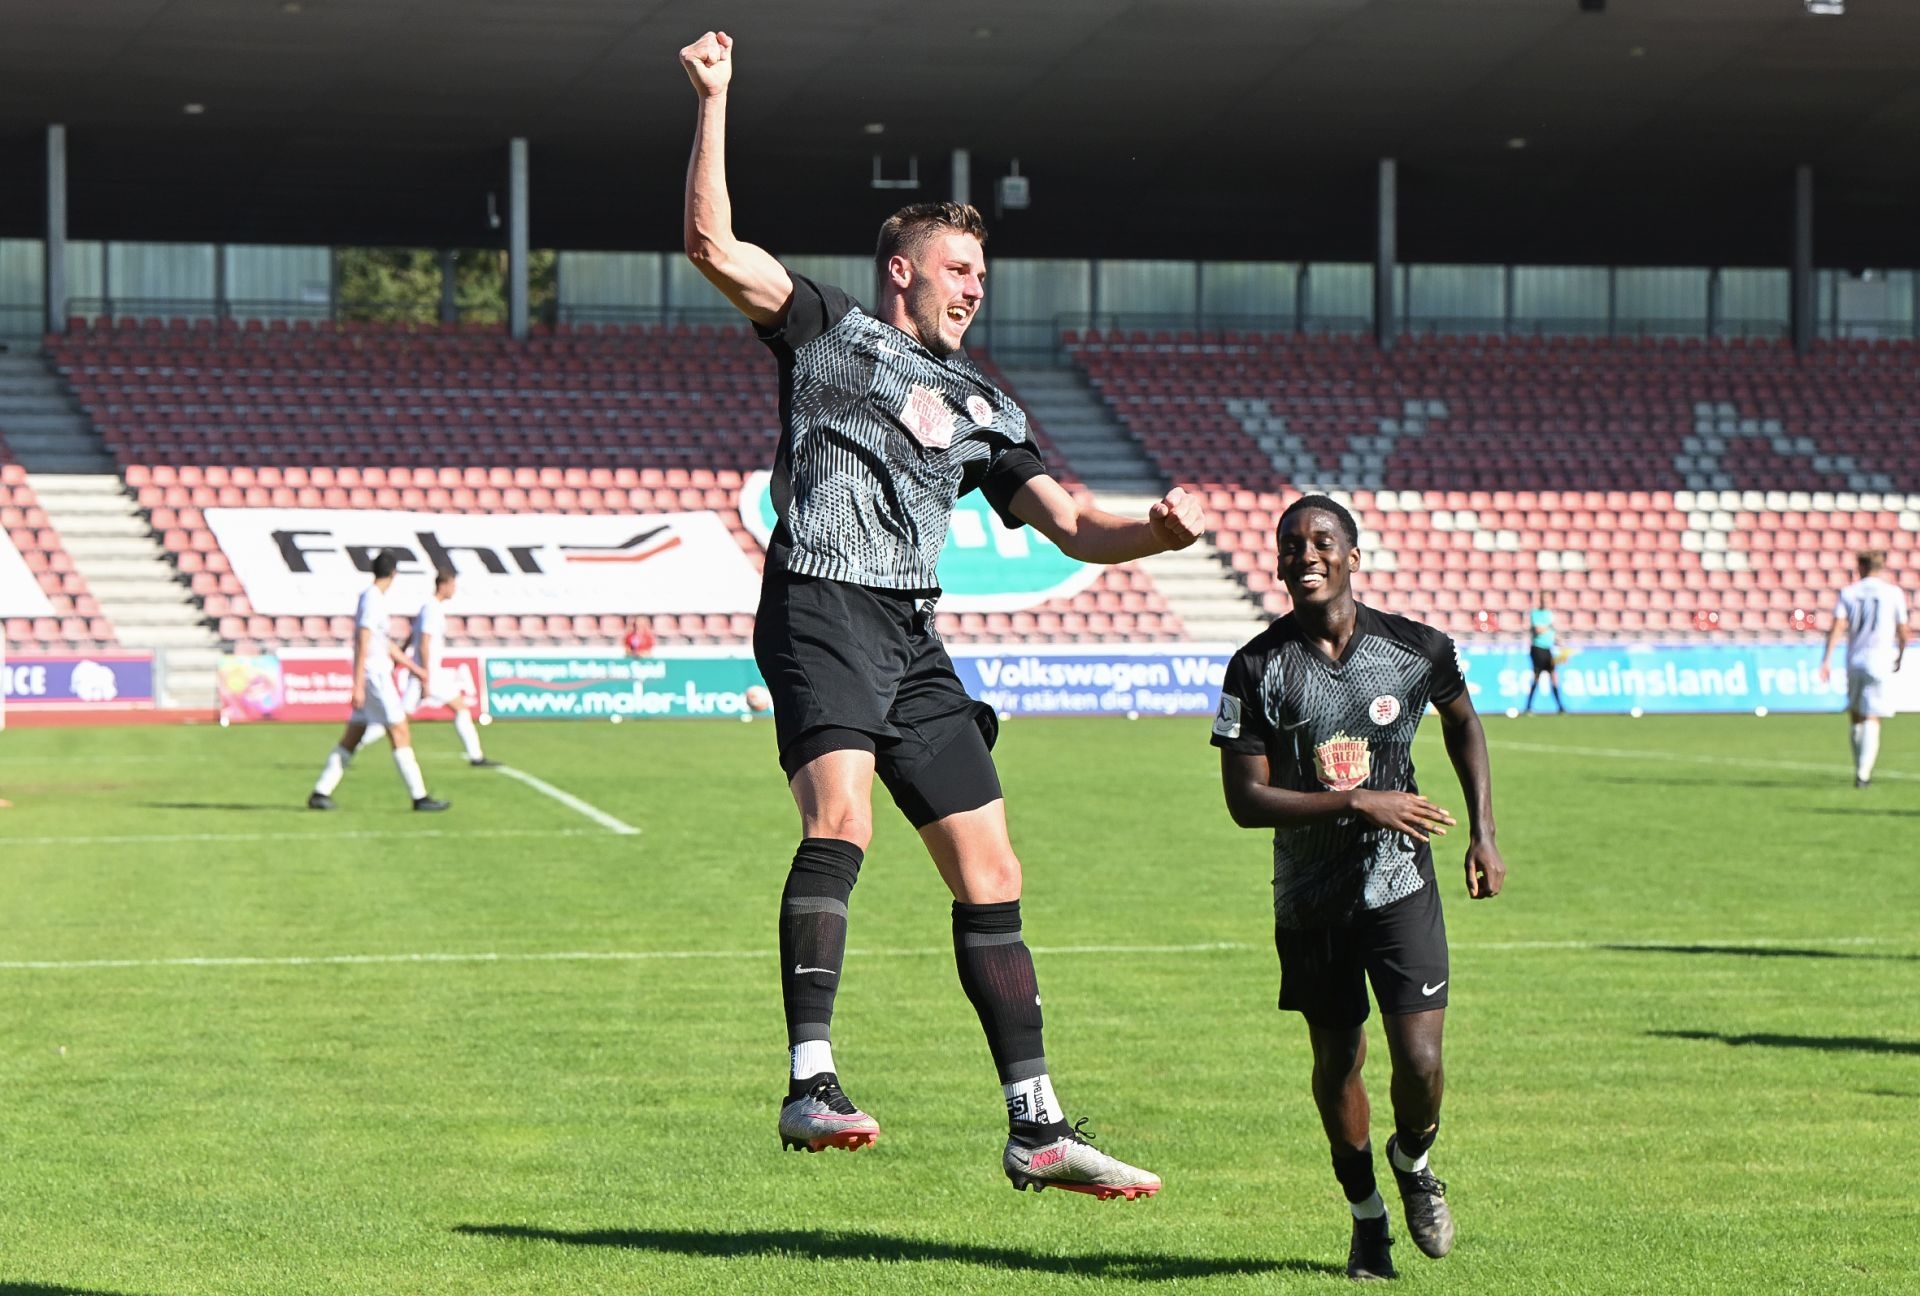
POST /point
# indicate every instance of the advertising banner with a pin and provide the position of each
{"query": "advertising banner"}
(1673, 679)
(603, 686)
(20, 594)
(316, 684)
(314, 562)
(1097, 679)
(62, 681)
(986, 565)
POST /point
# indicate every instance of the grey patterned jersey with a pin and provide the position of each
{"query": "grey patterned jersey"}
(878, 438)
(1328, 725)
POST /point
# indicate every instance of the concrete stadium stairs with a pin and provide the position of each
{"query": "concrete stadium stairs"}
(1198, 583)
(110, 543)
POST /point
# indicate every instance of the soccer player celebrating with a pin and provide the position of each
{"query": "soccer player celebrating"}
(1316, 724)
(375, 700)
(886, 423)
(1872, 614)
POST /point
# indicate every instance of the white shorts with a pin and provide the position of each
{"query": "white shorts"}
(1868, 694)
(445, 689)
(382, 706)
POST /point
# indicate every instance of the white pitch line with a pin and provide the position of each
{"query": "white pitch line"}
(1835, 768)
(145, 839)
(648, 956)
(570, 801)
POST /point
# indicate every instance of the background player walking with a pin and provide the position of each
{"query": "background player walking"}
(375, 699)
(1872, 614)
(885, 425)
(1316, 724)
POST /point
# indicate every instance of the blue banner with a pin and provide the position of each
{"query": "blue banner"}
(1667, 679)
(91, 680)
(1094, 680)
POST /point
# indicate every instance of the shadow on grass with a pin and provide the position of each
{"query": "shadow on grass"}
(268, 807)
(1823, 1043)
(1757, 951)
(853, 1245)
(42, 1289)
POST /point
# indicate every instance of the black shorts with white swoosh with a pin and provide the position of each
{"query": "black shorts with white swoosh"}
(1401, 949)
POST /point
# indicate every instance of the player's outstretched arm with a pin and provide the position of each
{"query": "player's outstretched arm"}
(1467, 749)
(1253, 803)
(1096, 536)
(748, 276)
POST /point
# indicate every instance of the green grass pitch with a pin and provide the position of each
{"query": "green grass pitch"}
(1683, 1054)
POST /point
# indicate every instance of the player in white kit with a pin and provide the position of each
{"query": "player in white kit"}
(375, 699)
(1872, 614)
(437, 686)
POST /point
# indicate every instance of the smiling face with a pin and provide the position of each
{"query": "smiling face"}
(941, 286)
(1317, 561)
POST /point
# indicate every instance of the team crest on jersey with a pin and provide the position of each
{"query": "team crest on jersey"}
(980, 410)
(1342, 762)
(1385, 709)
(926, 416)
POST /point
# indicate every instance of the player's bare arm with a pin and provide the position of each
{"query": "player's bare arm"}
(362, 638)
(1254, 803)
(1093, 535)
(408, 664)
(748, 276)
(1467, 749)
(1834, 632)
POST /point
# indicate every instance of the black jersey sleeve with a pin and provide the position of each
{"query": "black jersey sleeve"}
(1240, 725)
(1446, 682)
(813, 309)
(1007, 472)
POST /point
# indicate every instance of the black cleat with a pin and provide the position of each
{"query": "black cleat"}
(1859, 782)
(319, 801)
(1429, 1222)
(484, 763)
(1371, 1255)
(427, 803)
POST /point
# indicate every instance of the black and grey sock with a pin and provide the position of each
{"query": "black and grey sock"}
(813, 943)
(996, 971)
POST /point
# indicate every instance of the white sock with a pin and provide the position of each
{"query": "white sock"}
(1405, 1165)
(810, 1058)
(1869, 749)
(333, 771)
(1371, 1208)
(469, 736)
(373, 735)
(409, 767)
(1032, 1100)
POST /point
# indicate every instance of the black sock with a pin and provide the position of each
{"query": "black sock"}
(1415, 1146)
(1531, 690)
(813, 935)
(1354, 1170)
(996, 971)
(1556, 698)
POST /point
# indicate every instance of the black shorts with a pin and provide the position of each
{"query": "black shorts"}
(852, 667)
(1542, 660)
(1402, 949)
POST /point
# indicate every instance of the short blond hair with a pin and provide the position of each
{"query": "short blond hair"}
(1871, 560)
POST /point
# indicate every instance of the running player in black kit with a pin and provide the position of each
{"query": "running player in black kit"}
(885, 424)
(1315, 730)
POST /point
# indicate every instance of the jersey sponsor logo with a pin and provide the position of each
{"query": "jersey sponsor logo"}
(1384, 709)
(1227, 723)
(926, 416)
(1343, 762)
(980, 410)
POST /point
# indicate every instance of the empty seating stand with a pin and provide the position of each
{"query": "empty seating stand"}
(77, 624)
(581, 420)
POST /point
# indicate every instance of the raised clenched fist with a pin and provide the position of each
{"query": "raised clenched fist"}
(709, 63)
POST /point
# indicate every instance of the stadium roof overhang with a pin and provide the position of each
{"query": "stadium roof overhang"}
(1658, 131)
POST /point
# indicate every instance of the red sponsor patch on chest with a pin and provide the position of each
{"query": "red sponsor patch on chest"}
(927, 417)
(1342, 763)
